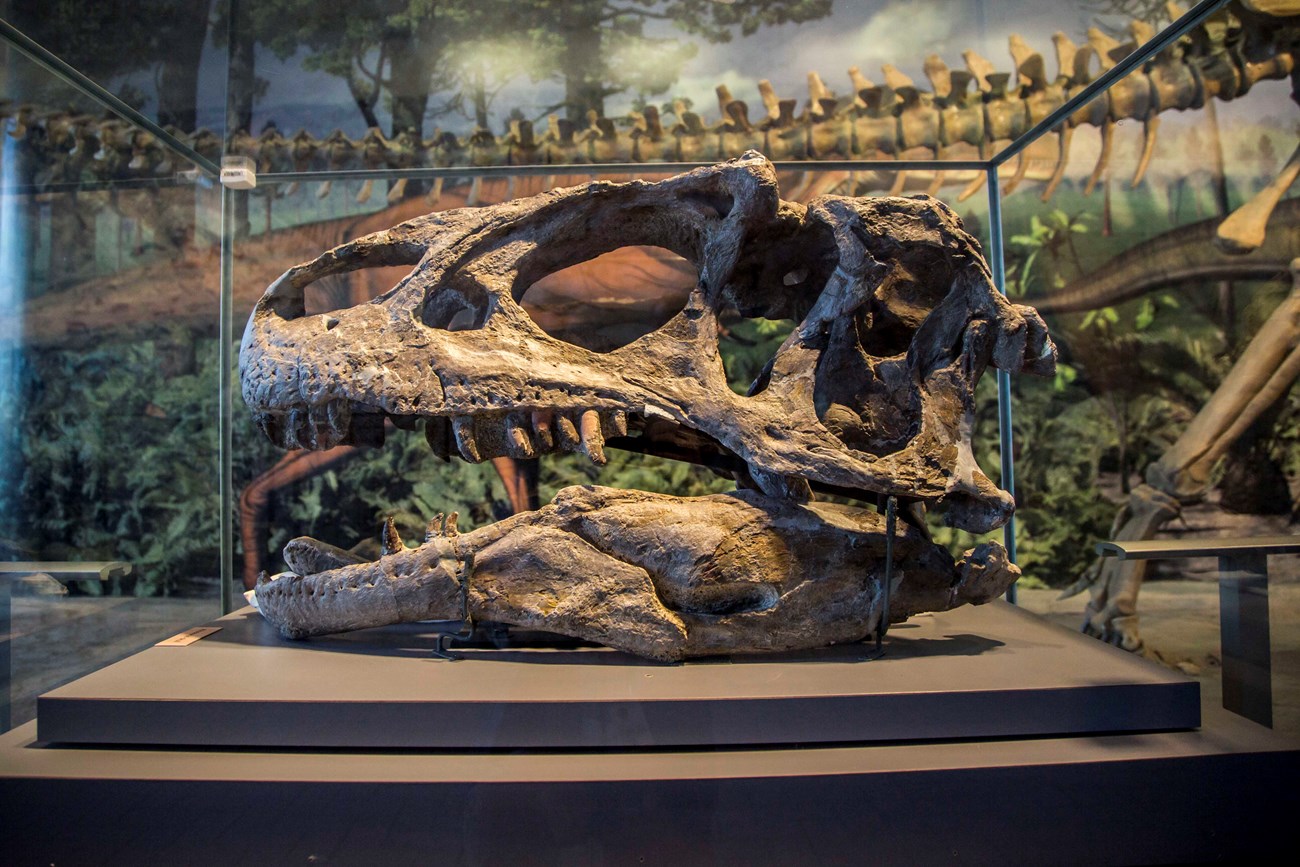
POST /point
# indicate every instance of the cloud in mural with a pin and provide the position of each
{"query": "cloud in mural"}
(700, 87)
(891, 35)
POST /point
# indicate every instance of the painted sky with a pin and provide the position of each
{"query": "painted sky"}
(864, 34)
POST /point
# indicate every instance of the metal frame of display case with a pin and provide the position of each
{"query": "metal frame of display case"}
(206, 169)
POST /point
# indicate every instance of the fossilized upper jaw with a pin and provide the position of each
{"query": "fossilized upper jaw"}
(898, 320)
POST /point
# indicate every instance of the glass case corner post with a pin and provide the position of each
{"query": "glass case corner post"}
(225, 405)
(1006, 455)
(13, 271)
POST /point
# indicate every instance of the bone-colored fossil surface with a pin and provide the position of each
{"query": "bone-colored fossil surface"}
(871, 396)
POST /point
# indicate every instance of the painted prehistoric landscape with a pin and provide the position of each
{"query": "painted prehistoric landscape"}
(1154, 232)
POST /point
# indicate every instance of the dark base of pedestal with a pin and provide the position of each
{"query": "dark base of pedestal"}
(1225, 792)
(983, 736)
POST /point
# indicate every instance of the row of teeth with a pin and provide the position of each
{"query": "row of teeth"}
(476, 438)
(291, 585)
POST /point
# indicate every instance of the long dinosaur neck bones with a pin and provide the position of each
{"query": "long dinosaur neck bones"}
(975, 107)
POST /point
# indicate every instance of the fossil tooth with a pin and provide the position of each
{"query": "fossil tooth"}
(437, 433)
(321, 430)
(613, 423)
(462, 426)
(593, 442)
(390, 541)
(435, 528)
(566, 433)
(339, 415)
(272, 425)
(404, 422)
(542, 432)
(518, 443)
(298, 434)
(449, 528)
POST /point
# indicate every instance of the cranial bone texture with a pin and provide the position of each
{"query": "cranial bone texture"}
(870, 396)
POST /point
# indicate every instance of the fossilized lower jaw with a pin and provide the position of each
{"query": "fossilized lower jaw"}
(425, 583)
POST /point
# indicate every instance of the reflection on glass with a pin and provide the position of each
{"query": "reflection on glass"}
(1161, 262)
(109, 534)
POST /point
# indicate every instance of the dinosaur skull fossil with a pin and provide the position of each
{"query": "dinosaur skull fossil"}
(870, 396)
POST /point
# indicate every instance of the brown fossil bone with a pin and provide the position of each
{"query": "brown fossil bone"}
(659, 576)
(459, 307)
(1244, 229)
(871, 395)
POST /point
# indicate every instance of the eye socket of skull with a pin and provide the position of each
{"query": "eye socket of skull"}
(607, 302)
(781, 273)
(864, 390)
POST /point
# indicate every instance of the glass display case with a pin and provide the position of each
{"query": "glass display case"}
(1126, 165)
(111, 322)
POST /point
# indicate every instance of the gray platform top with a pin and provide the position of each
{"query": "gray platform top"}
(102, 570)
(974, 672)
(1160, 549)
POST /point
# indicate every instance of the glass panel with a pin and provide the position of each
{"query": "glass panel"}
(1161, 264)
(165, 58)
(109, 288)
(970, 197)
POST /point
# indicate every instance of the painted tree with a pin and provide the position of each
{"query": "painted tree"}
(463, 51)
(398, 49)
(608, 47)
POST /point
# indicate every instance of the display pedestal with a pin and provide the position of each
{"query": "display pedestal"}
(992, 671)
(1224, 790)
